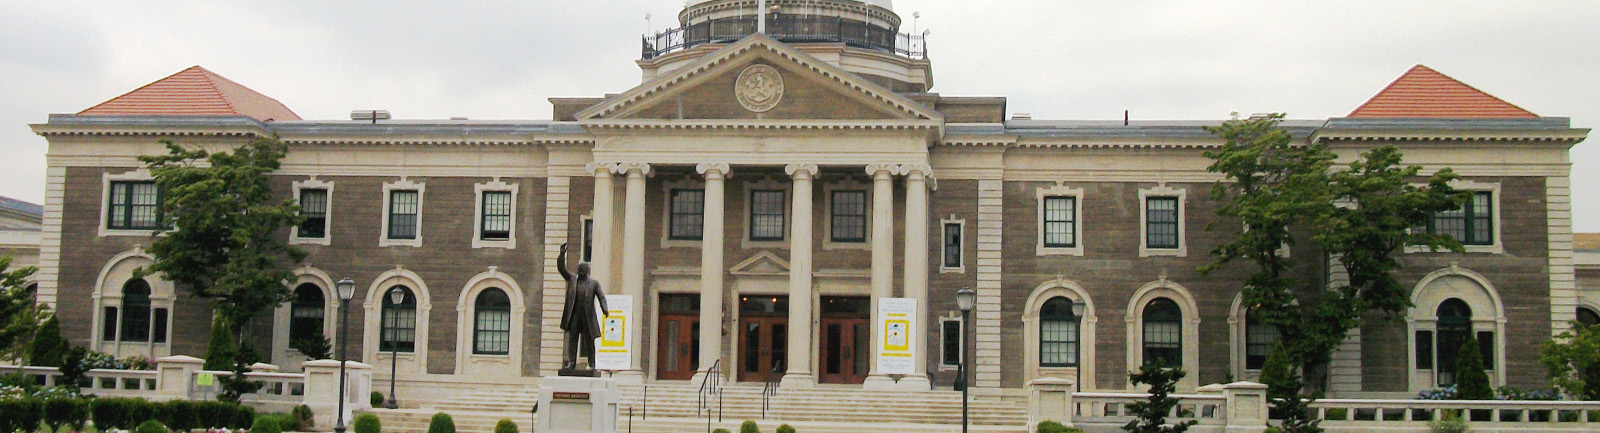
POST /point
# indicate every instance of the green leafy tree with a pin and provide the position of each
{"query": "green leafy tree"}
(15, 303)
(1151, 414)
(1572, 360)
(314, 347)
(1360, 213)
(220, 352)
(49, 349)
(1472, 383)
(223, 245)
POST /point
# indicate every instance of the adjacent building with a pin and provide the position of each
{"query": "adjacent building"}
(766, 185)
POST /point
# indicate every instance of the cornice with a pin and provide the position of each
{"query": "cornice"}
(701, 125)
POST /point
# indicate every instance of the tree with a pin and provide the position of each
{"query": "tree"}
(1151, 414)
(49, 349)
(1572, 360)
(1471, 382)
(16, 301)
(1360, 214)
(220, 352)
(223, 244)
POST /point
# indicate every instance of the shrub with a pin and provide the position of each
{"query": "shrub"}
(441, 423)
(785, 428)
(266, 424)
(314, 347)
(73, 367)
(151, 426)
(219, 349)
(368, 423)
(306, 418)
(121, 413)
(1471, 382)
(1451, 422)
(721, 430)
(66, 412)
(179, 415)
(1055, 427)
(505, 426)
(376, 398)
(1151, 414)
(243, 416)
(749, 427)
(49, 349)
(20, 414)
(284, 422)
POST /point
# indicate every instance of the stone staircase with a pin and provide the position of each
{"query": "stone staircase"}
(673, 407)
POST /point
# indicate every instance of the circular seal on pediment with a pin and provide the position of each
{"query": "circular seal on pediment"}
(759, 88)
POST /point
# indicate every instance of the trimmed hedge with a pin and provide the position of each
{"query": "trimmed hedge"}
(749, 427)
(368, 423)
(283, 422)
(785, 428)
(505, 426)
(72, 412)
(306, 418)
(21, 414)
(376, 398)
(266, 424)
(1055, 427)
(441, 423)
(151, 426)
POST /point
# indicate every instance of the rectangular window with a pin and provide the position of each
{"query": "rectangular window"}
(1424, 350)
(399, 329)
(496, 216)
(108, 324)
(1259, 340)
(314, 208)
(493, 332)
(688, 214)
(134, 205)
(950, 334)
(588, 240)
(1471, 224)
(1161, 222)
(952, 245)
(1060, 222)
(403, 214)
(849, 217)
(1486, 348)
(766, 215)
(1058, 343)
(158, 326)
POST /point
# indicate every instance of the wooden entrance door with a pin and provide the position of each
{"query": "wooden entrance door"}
(678, 336)
(763, 346)
(845, 355)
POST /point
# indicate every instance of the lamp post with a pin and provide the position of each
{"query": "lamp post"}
(396, 296)
(347, 290)
(965, 299)
(1077, 312)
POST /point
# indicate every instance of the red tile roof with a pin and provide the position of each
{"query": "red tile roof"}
(193, 92)
(1586, 241)
(1424, 92)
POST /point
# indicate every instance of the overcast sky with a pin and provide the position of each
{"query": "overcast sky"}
(1056, 59)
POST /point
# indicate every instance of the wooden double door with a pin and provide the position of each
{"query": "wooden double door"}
(845, 333)
(763, 337)
(678, 337)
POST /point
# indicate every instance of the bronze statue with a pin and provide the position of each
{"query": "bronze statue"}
(578, 317)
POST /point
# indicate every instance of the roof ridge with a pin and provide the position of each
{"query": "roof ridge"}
(229, 100)
(211, 81)
(137, 89)
(1424, 92)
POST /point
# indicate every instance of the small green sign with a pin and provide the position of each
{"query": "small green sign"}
(206, 379)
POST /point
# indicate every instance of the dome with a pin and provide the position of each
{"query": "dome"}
(886, 4)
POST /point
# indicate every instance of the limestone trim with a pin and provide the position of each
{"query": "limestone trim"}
(1063, 288)
(1134, 320)
(1498, 244)
(327, 212)
(415, 361)
(1162, 190)
(108, 293)
(139, 174)
(688, 182)
(846, 184)
(554, 288)
(404, 184)
(986, 320)
(1061, 190)
(961, 245)
(306, 274)
(49, 273)
(1488, 314)
(1563, 278)
(470, 363)
(767, 184)
(478, 190)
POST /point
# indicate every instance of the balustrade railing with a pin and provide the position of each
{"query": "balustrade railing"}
(1399, 413)
(853, 33)
(1112, 408)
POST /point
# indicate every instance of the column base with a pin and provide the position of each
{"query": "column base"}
(883, 382)
(798, 379)
(629, 377)
(878, 382)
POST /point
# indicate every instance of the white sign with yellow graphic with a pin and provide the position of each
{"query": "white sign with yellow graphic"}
(615, 348)
(897, 319)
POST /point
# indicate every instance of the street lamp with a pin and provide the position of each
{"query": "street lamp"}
(1077, 313)
(965, 299)
(396, 296)
(347, 290)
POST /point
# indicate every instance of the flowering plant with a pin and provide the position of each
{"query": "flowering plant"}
(1438, 394)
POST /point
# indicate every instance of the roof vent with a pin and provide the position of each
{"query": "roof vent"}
(1260, 115)
(458, 117)
(1021, 116)
(370, 115)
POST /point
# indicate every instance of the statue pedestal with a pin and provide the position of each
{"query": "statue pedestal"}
(578, 405)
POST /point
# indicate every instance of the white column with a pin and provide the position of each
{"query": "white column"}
(604, 207)
(882, 260)
(800, 343)
(711, 267)
(916, 265)
(633, 263)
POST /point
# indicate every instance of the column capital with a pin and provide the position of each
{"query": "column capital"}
(627, 168)
(797, 170)
(705, 168)
(919, 170)
(601, 169)
(875, 168)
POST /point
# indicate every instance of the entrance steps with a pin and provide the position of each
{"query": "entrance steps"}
(673, 407)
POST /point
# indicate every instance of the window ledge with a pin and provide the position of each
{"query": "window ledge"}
(480, 243)
(681, 243)
(750, 244)
(1163, 252)
(945, 270)
(386, 242)
(296, 240)
(857, 245)
(1497, 248)
(1060, 251)
(105, 232)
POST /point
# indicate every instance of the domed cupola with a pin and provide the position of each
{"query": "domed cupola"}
(860, 36)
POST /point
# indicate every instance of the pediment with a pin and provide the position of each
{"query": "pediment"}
(758, 78)
(763, 264)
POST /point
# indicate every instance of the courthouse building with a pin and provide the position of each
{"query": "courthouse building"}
(766, 185)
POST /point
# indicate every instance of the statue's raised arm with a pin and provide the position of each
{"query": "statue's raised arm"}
(561, 264)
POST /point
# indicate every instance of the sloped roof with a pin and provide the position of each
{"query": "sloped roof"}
(195, 91)
(20, 206)
(1586, 241)
(1424, 92)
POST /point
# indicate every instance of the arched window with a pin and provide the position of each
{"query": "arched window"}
(1163, 333)
(135, 325)
(1058, 334)
(1455, 327)
(1258, 341)
(491, 329)
(306, 313)
(399, 322)
(1588, 317)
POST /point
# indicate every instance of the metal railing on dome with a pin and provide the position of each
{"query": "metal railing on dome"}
(795, 29)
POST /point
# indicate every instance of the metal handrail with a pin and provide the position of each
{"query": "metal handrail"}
(711, 384)
(850, 32)
(770, 388)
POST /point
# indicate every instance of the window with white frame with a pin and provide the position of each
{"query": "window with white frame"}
(588, 239)
(399, 322)
(951, 237)
(1163, 333)
(137, 320)
(848, 216)
(1161, 222)
(767, 214)
(306, 314)
(1060, 217)
(951, 341)
(491, 325)
(687, 214)
(314, 210)
(1259, 340)
(134, 205)
(402, 214)
(1439, 350)
(1058, 334)
(1471, 224)
(495, 224)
